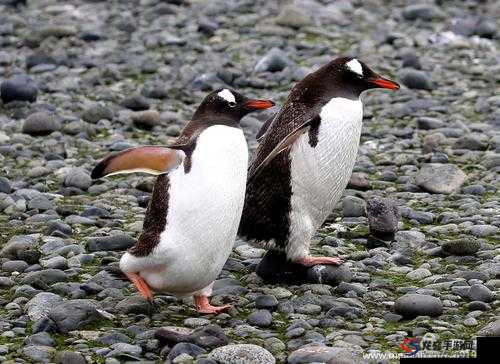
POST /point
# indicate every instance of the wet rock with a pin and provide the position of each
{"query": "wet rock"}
(230, 354)
(440, 178)
(414, 304)
(20, 88)
(106, 243)
(383, 216)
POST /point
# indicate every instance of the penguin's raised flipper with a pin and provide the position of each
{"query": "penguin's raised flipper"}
(283, 145)
(150, 159)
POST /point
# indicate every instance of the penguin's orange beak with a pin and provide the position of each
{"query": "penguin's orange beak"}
(253, 104)
(381, 82)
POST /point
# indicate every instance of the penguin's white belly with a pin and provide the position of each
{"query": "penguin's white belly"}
(320, 174)
(205, 208)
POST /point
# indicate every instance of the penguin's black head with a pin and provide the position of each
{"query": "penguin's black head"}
(343, 77)
(358, 77)
(230, 105)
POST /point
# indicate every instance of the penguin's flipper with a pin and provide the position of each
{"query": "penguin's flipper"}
(283, 145)
(150, 159)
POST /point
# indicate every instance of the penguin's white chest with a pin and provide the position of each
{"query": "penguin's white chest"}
(205, 206)
(320, 173)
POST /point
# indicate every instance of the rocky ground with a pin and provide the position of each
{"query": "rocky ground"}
(82, 78)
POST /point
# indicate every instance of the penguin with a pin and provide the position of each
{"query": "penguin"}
(305, 158)
(195, 208)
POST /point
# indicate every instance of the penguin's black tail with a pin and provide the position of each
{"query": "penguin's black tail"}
(116, 272)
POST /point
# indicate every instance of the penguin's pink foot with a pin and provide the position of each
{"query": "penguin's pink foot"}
(141, 286)
(203, 305)
(311, 261)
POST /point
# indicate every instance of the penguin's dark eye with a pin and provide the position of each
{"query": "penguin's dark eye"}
(232, 104)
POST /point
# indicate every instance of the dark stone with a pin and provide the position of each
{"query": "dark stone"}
(19, 88)
(185, 348)
(74, 314)
(136, 103)
(383, 216)
(45, 324)
(107, 243)
(260, 318)
(414, 304)
(38, 59)
(41, 123)
(416, 79)
(5, 185)
(210, 336)
(329, 274)
(267, 302)
(410, 60)
(113, 338)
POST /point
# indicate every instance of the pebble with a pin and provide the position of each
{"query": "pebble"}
(479, 292)
(20, 88)
(260, 318)
(267, 302)
(353, 206)
(415, 79)
(41, 123)
(73, 314)
(147, 119)
(107, 243)
(293, 17)
(79, 178)
(461, 246)
(440, 178)
(383, 216)
(274, 61)
(413, 304)
(322, 354)
(241, 353)
(97, 112)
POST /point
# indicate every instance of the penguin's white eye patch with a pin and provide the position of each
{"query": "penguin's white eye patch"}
(354, 66)
(228, 96)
